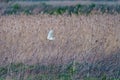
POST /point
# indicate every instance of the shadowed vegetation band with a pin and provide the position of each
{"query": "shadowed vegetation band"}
(57, 10)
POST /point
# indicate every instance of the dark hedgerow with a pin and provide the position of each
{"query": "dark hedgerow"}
(16, 6)
(27, 12)
(117, 8)
(56, 11)
(91, 7)
(13, 9)
(103, 8)
(53, 10)
(77, 8)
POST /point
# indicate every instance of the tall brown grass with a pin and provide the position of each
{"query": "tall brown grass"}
(24, 38)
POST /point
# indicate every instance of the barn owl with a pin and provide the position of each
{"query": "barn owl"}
(51, 35)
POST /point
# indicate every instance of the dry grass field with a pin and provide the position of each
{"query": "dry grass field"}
(24, 38)
(81, 38)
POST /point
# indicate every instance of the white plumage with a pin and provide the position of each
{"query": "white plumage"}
(51, 35)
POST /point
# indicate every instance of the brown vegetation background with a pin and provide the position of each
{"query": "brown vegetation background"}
(24, 38)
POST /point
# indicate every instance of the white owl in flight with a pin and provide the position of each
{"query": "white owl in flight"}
(51, 35)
